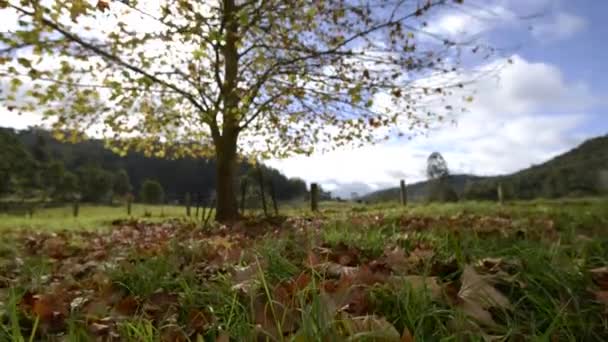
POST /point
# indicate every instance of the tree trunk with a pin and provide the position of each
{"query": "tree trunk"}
(227, 204)
(226, 142)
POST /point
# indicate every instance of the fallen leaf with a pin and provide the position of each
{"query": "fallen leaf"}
(477, 295)
(406, 336)
(477, 289)
(222, 337)
(127, 306)
(369, 327)
(103, 5)
(419, 283)
(600, 277)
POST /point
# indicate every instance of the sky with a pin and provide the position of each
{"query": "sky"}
(552, 97)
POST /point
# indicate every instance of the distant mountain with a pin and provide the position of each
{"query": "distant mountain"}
(417, 192)
(583, 171)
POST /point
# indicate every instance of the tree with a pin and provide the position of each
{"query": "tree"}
(438, 173)
(152, 192)
(273, 78)
(15, 162)
(436, 167)
(122, 183)
(69, 189)
(52, 177)
(95, 183)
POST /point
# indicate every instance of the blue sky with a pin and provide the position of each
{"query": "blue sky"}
(553, 97)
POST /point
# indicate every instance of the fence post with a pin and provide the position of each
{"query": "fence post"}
(500, 194)
(273, 197)
(188, 201)
(198, 203)
(243, 195)
(403, 193)
(129, 203)
(76, 207)
(262, 192)
(314, 196)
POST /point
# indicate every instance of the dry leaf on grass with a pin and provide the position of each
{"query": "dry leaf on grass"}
(419, 283)
(477, 295)
(406, 336)
(600, 277)
(369, 327)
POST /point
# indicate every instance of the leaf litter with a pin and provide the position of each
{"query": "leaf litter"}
(340, 277)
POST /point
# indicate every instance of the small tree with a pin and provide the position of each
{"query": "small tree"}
(95, 183)
(122, 183)
(152, 192)
(438, 173)
(69, 188)
(52, 177)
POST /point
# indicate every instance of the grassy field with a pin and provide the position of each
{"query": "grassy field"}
(442, 272)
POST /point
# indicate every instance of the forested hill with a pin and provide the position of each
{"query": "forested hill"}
(177, 177)
(419, 191)
(583, 171)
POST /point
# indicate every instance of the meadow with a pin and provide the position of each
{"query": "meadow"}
(470, 271)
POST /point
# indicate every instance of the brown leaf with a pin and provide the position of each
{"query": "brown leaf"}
(477, 295)
(99, 329)
(600, 277)
(601, 297)
(198, 320)
(369, 328)
(103, 5)
(127, 306)
(222, 337)
(406, 336)
(419, 283)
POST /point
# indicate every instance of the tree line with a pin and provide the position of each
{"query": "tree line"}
(34, 165)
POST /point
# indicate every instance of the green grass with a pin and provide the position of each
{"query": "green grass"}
(548, 283)
(90, 217)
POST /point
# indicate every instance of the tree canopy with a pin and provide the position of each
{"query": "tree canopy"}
(266, 78)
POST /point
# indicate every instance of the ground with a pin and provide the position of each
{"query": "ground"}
(466, 271)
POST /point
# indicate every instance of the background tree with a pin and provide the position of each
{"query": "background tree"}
(95, 183)
(52, 176)
(436, 166)
(122, 183)
(15, 162)
(274, 77)
(438, 173)
(69, 189)
(152, 192)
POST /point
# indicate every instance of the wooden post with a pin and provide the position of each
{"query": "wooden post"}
(403, 193)
(262, 192)
(188, 202)
(76, 207)
(273, 197)
(198, 203)
(500, 194)
(314, 196)
(243, 195)
(129, 198)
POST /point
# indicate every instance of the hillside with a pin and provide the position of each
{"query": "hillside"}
(177, 176)
(583, 171)
(419, 191)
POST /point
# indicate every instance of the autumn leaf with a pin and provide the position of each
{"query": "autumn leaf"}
(369, 327)
(477, 295)
(406, 336)
(103, 5)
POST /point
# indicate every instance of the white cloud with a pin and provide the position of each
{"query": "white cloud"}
(468, 22)
(526, 115)
(559, 27)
